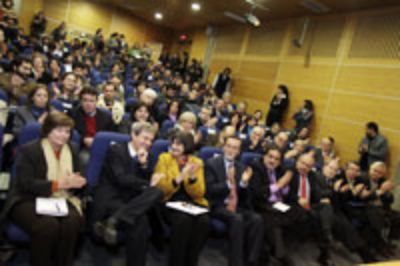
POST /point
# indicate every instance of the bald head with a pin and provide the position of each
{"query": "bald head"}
(305, 163)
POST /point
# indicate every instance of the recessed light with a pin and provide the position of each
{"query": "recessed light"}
(158, 16)
(196, 6)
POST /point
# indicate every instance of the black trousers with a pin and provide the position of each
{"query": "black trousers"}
(132, 219)
(245, 233)
(372, 218)
(317, 221)
(53, 239)
(188, 236)
(275, 223)
(346, 232)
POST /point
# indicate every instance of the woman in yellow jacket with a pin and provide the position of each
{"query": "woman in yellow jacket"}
(184, 181)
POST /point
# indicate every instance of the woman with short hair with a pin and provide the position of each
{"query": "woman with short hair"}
(47, 168)
(184, 181)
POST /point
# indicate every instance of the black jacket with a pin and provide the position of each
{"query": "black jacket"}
(260, 184)
(217, 189)
(121, 179)
(315, 192)
(31, 175)
(104, 121)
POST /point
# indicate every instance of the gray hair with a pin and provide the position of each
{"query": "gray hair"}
(139, 127)
(150, 92)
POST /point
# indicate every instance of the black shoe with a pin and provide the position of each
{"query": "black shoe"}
(367, 256)
(286, 261)
(325, 261)
(106, 231)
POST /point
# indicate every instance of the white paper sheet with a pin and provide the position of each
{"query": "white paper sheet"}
(52, 206)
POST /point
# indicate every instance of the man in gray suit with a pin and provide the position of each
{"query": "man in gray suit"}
(373, 147)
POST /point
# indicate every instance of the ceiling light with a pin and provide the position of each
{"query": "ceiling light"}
(196, 6)
(158, 16)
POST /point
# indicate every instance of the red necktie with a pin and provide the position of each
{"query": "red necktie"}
(303, 188)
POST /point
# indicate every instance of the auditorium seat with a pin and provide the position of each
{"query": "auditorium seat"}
(247, 157)
(98, 152)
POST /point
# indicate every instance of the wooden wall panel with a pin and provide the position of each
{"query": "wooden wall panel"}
(254, 89)
(229, 39)
(322, 38)
(89, 16)
(259, 70)
(316, 76)
(377, 36)
(56, 10)
(364, 108)
(267, 40)
(370, 79)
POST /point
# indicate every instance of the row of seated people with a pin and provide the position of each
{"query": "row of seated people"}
(134, 182)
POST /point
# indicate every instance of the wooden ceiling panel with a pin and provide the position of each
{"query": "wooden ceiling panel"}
(178, 15)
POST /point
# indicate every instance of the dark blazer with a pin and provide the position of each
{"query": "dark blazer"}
(315, 193)
(260, 185)
(347, 198)
(257, 149)
(121, 179)
(22, 116)
(104, 121)
(31, 175)
(217, 189)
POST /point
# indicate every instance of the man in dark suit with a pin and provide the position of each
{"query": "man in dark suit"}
(88, 121)
(227, 191)
(305, 197)
(341, 225)
(126, 192)
(269, 185)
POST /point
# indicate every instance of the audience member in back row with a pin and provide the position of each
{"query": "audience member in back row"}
(222, 82)
(325, 152)
(88, 121)
(49, 168)
(184, 181)
(16, 83)
(36, 109)
(229, 196)
(278, 106)
(126, 192)
(107, 100)
(373, 147)
(304, 116)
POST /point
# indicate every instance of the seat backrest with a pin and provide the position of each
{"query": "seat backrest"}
(57, 104)
(209, 152)
(98, 152)
(1, 141)
(159, 146)
(3, 95)
(167, 124)
(247, 157)
(29, 132)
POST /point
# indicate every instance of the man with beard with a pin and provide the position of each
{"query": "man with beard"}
(16, 83)
(373, 147)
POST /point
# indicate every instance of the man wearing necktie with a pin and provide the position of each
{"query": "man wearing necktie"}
(305, 198)
(227, 192)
